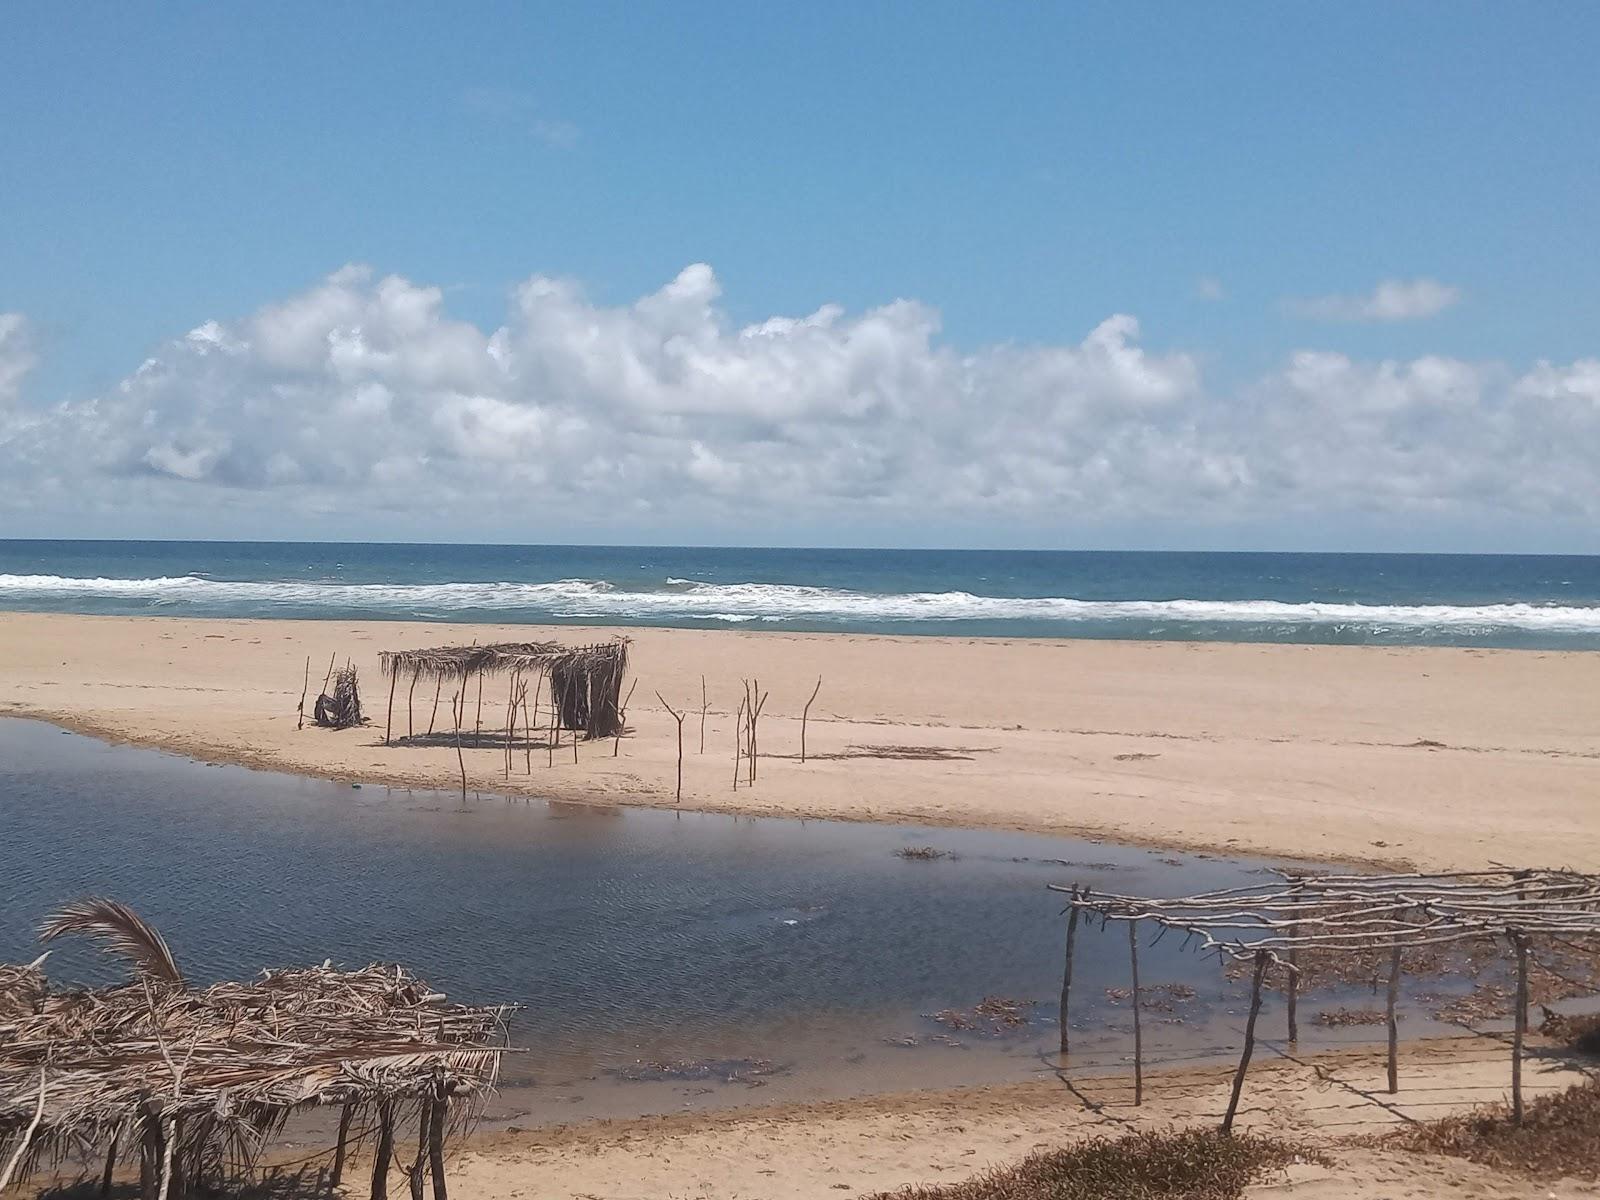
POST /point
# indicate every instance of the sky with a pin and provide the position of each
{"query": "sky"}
(1257, 276)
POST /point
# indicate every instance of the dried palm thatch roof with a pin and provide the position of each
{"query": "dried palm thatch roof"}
(585, 681)
(1361, 912)
(211, 1073)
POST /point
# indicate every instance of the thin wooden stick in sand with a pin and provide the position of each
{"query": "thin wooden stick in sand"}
(1249, 1042)
(703, 706)
(1520, 1030)
(388, 720)
(678, 717)
(805, 715)
(304, 688)
(460, 758)
(622, 717)
(477, 722)
(410, 692)
(437, 684)
(738, 741)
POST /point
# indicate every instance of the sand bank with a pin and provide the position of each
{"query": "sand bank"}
(818, 1151)
(1437, 757)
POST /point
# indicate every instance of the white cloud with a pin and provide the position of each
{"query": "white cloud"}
(363, 393)
(1391, 300)
(17, 356)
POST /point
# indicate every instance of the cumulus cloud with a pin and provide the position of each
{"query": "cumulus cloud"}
(1391, 300)
(363, 391)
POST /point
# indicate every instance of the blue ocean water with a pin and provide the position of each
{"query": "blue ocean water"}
(1545, 602)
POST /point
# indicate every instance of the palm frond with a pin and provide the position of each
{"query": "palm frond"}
(122, 931)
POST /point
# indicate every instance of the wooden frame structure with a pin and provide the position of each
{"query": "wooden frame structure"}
(1274, 923)
(195, 1082)
(585, 681)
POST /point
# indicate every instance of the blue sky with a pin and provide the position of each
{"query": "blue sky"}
(1240, 180)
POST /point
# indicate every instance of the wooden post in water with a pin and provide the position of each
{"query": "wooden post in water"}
(1249, 1041)
(380, 1156)
(1138, 1036)
(1520, 940)
(1066, 970)
(1393, 1021)
(1294, 971)
(345, 1114)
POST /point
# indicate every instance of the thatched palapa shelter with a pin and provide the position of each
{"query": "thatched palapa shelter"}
(585, 682)
(196, 1081)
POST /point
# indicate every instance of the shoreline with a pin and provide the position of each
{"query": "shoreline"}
(1436, 758)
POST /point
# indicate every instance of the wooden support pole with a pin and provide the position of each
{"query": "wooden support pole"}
(1138, 1035)
(1520, 941)
(477, 722)
(149, 1153)
(419, 1165)
(345, 1115)
(461, 760)
(1249, 1041)
(436, 1142)
(1066, 970)
(111, 1157)
(305, 687)
(411, 691)
(388, 721)
(1393, 1020)
(805, 714)
(738, 741)
(438, 683)
(385, 1148)
(703, 706)
(622, 717)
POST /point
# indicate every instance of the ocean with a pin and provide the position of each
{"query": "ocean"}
(1517, 601)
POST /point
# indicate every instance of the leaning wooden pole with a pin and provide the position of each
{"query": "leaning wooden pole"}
(477, 721)
(345, 1115)
(1520, 940)
(436, 1142)
(1138, 1035)
(411, 693)
(111, 1163)
(385, 1148)
(388, 721)
(1066, 970)
(438, 683)
(1393, 1019)
(1249, 1041)
(305, 688)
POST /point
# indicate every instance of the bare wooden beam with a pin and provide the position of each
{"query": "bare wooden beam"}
(1249, 1042)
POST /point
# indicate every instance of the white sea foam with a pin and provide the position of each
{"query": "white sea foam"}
(744, 602)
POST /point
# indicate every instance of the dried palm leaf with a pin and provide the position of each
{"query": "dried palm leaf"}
(122, 931)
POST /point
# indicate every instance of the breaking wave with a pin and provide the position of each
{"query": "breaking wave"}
(681, 599)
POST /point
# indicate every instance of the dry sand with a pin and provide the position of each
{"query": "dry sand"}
(1437, 757)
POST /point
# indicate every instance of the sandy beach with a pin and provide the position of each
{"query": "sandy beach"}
(1437, 757)
(1441, 758)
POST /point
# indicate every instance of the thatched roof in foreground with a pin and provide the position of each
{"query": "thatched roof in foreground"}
(221, 1067)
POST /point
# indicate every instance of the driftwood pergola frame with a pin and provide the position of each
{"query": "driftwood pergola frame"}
(585, 681)
(1274, 923)
(197, 1081)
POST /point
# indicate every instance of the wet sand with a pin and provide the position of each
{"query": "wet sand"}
(1429, 756)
